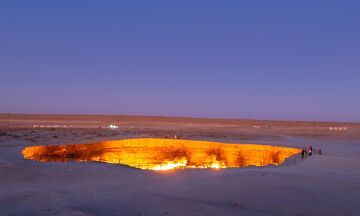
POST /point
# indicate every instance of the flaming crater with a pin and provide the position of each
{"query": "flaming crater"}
(164, 154)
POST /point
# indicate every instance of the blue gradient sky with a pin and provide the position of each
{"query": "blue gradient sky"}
(234, 59)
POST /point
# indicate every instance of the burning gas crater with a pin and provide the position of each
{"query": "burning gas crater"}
(164, 154)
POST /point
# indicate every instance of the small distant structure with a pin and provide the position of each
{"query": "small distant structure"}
(262, 126)
(338, 128)
(52, 126)
(112, 126)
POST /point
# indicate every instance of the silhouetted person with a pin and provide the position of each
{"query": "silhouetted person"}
(319, 150)
(302, 153)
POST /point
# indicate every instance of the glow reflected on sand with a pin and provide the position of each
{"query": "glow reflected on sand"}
(164, 154)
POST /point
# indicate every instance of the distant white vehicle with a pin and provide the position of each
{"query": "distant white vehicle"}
(113, 126)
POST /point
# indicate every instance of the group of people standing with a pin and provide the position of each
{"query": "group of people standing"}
(308, 151)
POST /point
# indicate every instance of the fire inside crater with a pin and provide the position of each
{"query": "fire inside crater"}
(164, 154)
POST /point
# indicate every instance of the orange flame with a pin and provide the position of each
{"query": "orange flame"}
(164, 154)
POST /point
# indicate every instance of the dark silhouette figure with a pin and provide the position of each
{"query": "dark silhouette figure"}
(302, 153)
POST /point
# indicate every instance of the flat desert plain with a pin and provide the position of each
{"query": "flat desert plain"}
(327, 184)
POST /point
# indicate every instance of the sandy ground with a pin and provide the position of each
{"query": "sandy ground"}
(327, 184)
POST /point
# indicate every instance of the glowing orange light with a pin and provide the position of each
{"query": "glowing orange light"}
(164, 154)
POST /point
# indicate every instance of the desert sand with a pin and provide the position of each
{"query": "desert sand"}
(327, 184)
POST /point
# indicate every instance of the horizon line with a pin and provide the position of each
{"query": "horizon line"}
(183, 117)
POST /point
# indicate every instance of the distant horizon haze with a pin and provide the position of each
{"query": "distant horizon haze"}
(179, 116)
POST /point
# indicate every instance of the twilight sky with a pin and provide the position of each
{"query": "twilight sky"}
(292, 60)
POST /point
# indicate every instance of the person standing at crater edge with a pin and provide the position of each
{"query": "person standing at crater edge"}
(302, 153)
